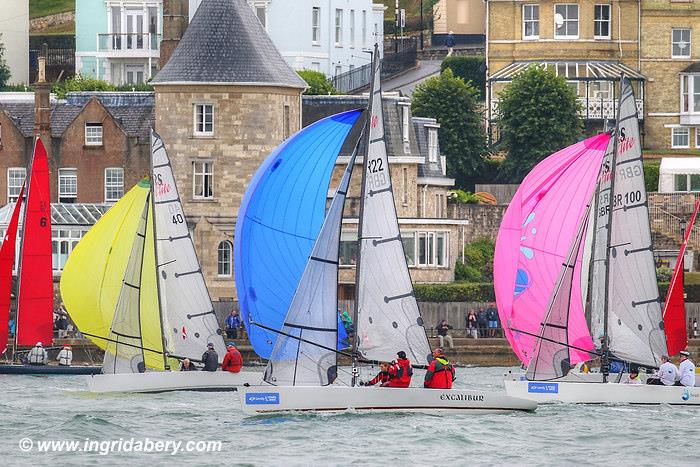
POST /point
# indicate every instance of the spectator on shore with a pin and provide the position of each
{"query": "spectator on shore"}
(443, 334)
(382, 377)
(62, 325)
(65, 356)
(233, 324)
(347, 322)
(481, 322)
(492, 317)
(186, 365)
(210, 358)
(11, 327)
(450, 43)
(233, 361)
(471, 324)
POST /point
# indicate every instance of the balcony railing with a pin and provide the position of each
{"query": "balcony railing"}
(144, 42)
(592, 108)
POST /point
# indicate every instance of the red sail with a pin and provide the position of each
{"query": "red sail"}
(674, 308)
(7, 260)
(35, 301)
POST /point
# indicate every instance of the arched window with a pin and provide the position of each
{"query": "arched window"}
(225, 259)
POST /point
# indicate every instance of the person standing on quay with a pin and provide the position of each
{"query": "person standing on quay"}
(481, 322)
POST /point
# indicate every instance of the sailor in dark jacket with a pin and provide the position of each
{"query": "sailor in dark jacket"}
(210, 359)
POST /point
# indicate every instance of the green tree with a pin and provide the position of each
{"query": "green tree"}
(4, 69)
(538, 114)
(318, 83)
(470, 69)
(478, 261)
(453, 103)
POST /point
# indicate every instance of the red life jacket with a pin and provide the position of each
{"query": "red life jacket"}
(232, 361)
(401, 373)
(440, 374)
(382, 377)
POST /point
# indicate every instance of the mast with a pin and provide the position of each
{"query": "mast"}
(365, 159)
(155, 252)
(605, 359)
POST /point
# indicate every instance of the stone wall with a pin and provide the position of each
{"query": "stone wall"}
(484, 219)
(248, 125)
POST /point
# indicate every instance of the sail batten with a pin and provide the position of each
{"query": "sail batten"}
(388, 318)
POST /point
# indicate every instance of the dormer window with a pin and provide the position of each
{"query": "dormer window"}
(404, 123)
(93, 134)
(432, 145)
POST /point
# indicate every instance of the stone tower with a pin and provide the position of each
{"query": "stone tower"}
(224, 100)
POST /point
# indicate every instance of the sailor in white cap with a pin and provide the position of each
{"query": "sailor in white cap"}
(667, 374)
(38, 355)
(686, 368)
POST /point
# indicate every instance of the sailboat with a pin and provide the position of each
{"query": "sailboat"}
(34, 319)
(302, 372)
(135, 288)
(623, 300)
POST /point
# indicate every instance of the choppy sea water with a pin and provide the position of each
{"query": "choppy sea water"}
(59, 408)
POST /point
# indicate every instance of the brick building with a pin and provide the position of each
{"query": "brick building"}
(224, 100)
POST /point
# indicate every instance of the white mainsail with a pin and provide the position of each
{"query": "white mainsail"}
(187, 312)
(635, 322)
(304, 354)
(388, 318)
(124, 351)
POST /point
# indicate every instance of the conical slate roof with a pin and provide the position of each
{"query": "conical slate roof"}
(226, 44)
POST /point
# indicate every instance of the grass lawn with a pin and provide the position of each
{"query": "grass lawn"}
(39, 8)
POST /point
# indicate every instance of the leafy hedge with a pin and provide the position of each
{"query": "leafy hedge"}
(455, 292)
(318, 83)
(483, 292)
(469, 69)
(651, 175)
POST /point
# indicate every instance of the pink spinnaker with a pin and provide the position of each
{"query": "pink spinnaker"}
(533, 241)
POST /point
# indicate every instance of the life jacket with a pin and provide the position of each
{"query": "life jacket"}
(232, 361)
(401, 373)
(37, 356)
(65, 357)
(440, 374)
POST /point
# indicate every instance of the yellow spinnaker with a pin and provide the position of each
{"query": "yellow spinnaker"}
(93, 274)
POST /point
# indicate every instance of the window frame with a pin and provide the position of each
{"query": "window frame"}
(690, 42)
(195, 122)
(338, 27)
(532, 7)
(111, 185)
(207, 171)
(316, 25)
(433, 146)
(352, 29)
(597, 21)
(64, 176)
(364, 28)
(13, 198)
(405, 124)
(674, 132)
(94, 140)
(227, 263)
(578, 19)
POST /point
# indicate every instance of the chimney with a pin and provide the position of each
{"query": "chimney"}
(42, 104)
(175, 21)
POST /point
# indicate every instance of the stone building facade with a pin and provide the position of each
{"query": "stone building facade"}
(464, 18)
(223, 103)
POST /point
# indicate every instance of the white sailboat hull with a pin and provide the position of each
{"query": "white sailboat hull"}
(602, 393)
(165, 381)
(271, 399)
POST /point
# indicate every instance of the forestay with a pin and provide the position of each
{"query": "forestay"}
(388, 319)
(635, 323)
(304, 353)
(124, 352)
(187, 312)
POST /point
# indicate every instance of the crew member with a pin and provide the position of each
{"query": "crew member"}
(65, 356)
(400, 372)
(441, 373)
(382, 377)
(232, 360)
(38, 355)
(186, 365)
(686, 370)
(667, 374)
(634, 377)
(210, 358)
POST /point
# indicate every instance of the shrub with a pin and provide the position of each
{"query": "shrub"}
(470, 69)
(455, 292)
(664, 274)
(478, 261)
(318, 84)
(651, 175)
(463, 197)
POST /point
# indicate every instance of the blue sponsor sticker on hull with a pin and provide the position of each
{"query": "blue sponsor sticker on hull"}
(543, 388)
(262, 398)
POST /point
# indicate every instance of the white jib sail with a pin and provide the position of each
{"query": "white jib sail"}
(124, 352)
(388, 318)
(186, 306)
(309, 358)
(635, 322)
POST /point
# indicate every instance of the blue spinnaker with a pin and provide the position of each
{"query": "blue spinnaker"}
(279, 219)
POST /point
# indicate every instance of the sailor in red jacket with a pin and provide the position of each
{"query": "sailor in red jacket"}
(440, 373)
(382, 378)
(232, 360)
(400, 372)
